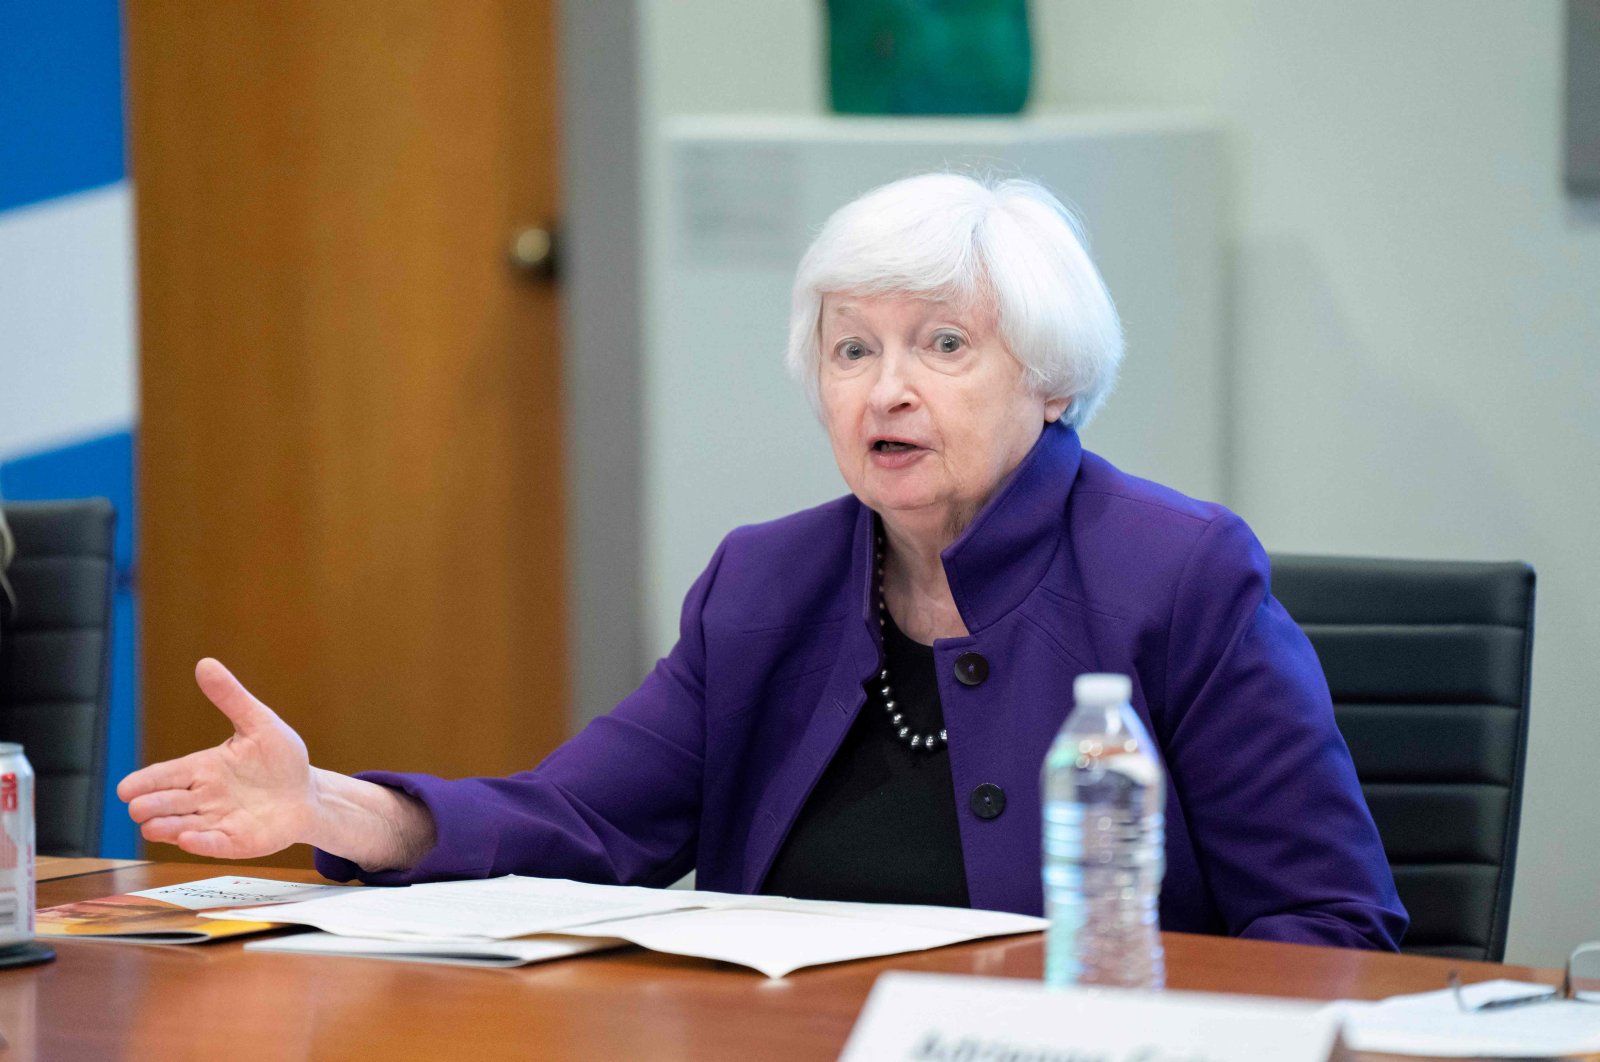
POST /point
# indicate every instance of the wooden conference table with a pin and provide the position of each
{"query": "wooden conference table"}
(213, 1001)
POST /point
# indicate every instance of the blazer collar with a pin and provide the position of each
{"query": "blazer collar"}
(1006, 550)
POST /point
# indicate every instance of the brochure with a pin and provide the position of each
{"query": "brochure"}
(171, 914)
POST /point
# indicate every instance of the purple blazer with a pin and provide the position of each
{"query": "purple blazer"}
(1072, 567)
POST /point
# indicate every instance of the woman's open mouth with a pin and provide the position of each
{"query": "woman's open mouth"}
(895, 453)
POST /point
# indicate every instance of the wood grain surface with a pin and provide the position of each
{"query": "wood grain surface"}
(350, 452)
(48, 868)
(217, 1001)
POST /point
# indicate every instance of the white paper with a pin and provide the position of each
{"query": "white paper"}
(779, 936)
(463, 952)
(940, 1016)
(974, 921)
(496, 909)
(236, 892)
(771, 934)
(1431, 1023)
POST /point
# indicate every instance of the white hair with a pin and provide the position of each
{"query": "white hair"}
(1007, 244)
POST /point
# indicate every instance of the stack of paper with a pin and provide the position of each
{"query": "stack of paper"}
(1433, 1024)
(499, 922)
(444, 952)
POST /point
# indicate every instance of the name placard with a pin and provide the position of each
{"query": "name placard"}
(944, 1018)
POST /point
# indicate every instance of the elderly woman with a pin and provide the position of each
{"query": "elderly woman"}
(862, 693)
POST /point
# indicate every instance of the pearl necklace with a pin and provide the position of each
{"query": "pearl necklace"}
(920, 742)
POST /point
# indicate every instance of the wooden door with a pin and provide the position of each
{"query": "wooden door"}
(350, 449)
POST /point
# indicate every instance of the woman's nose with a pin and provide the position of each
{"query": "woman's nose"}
(892, 387)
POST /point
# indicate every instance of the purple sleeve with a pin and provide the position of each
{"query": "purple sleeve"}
(1286, 843)
(617, 804)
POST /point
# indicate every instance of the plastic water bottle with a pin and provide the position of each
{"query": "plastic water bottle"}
(1104, 843)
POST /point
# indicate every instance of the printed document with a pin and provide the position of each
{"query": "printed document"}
(236, 892)
(767, 933)
(465, 952)
(495, 909)
(777, 939)
(1433, 1024)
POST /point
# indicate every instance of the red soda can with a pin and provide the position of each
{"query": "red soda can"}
(16, 846)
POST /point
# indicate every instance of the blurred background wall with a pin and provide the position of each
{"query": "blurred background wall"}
(68, 337)
(1416, 322)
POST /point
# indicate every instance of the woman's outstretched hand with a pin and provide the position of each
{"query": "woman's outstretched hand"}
(257, 793)
(250, 796)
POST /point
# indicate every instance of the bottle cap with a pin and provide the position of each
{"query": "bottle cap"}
(1102, 689)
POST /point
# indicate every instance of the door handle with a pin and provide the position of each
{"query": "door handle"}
(534, 251)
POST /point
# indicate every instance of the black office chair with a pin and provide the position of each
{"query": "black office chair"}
(1428, 662)
(55, 663)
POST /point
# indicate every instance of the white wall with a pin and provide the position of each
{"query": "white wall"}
(601, 250)
(66, 320)
(1416, 305)
(733, 56)
(1417, 321)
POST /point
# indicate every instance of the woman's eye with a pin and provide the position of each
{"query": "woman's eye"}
(851, 351)
(947, 342)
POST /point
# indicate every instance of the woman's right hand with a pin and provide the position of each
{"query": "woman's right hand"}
(252, 795)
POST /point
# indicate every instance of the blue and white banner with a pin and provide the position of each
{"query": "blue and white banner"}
(68, 358)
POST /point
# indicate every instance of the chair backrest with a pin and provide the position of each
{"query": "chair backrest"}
(1428, 663)
(55, 672)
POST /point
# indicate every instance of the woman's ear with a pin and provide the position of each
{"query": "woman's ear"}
(1054, 407)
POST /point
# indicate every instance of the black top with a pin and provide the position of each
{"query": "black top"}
(881, 824)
